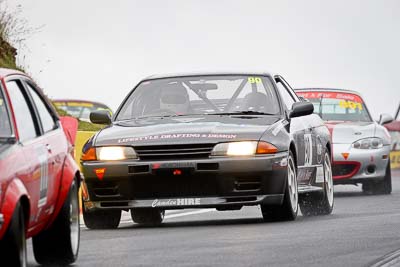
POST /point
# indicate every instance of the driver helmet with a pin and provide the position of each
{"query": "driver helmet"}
(174, 97)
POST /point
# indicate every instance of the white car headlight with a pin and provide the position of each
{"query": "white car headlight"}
(115, 153)
(368, 143)
(243, 148)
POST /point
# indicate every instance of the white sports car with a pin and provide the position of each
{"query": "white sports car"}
(361, 146)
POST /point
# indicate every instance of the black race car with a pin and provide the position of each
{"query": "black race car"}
(220, 141)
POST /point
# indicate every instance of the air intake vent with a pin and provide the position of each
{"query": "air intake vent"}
(168, 152)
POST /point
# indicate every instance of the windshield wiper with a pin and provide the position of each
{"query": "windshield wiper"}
(242, 112)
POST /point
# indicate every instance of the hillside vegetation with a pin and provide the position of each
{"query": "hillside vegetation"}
(7, 55)
(14, 30)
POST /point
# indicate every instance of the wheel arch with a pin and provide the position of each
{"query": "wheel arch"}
(70, 172)
(292, 148)
(328, 147)
(26, 207)
(14, 193)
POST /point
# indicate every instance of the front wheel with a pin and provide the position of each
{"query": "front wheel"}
(13, 243)
(59, 244)
(147, 216)
(101, 219)
(289, 208)
(316, 204)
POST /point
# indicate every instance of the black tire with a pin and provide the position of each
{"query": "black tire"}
(101, 219)
(380, 187)
(317, 203)
(13, 244)
(148, 216)
(59, 244)
(289, 208)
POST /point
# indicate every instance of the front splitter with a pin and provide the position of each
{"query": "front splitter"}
(182, 203)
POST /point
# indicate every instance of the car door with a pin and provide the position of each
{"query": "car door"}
(32, 168)
(53, 139)
(303, 133)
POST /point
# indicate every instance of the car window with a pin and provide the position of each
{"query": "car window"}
(286, 96)
(5, 124)
(80, 109)
(46, 118)
(22, 111)
(290, 89)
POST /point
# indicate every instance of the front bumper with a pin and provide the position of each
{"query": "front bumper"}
(354, 165)
(179, 203)
(201, 183)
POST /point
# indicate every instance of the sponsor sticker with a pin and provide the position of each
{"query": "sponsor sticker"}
(176, 136)
(173, 165)
(79, 104)
(334, 95)
(350, 104)
(176, 202)
(278, 127)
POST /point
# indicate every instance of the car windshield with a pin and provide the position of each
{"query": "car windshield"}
(80, 110)
(337, 106)
(226, 94)
(5, 125)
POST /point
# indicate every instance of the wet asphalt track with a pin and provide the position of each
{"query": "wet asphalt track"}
(361, 230)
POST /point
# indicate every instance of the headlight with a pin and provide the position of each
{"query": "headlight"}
(115, 153)
(109, 153)
(368, 143)
(244, 148)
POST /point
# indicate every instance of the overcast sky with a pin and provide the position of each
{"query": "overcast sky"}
(98, 49)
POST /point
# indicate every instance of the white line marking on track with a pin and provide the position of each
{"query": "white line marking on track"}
(390, 259)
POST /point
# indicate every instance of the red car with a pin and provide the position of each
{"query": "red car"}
(39, 178)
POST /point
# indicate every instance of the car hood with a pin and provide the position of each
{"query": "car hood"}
(180, 130)
(349, 132)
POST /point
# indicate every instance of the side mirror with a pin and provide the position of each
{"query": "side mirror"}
(385, 118)
(301, 109)
(100, 117)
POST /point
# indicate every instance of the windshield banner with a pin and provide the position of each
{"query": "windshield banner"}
(334, 95)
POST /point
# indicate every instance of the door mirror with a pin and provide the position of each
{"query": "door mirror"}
(385, 118)
(301, 109)
(100, 117)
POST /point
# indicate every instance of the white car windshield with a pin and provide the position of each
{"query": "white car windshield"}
(334, 106)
